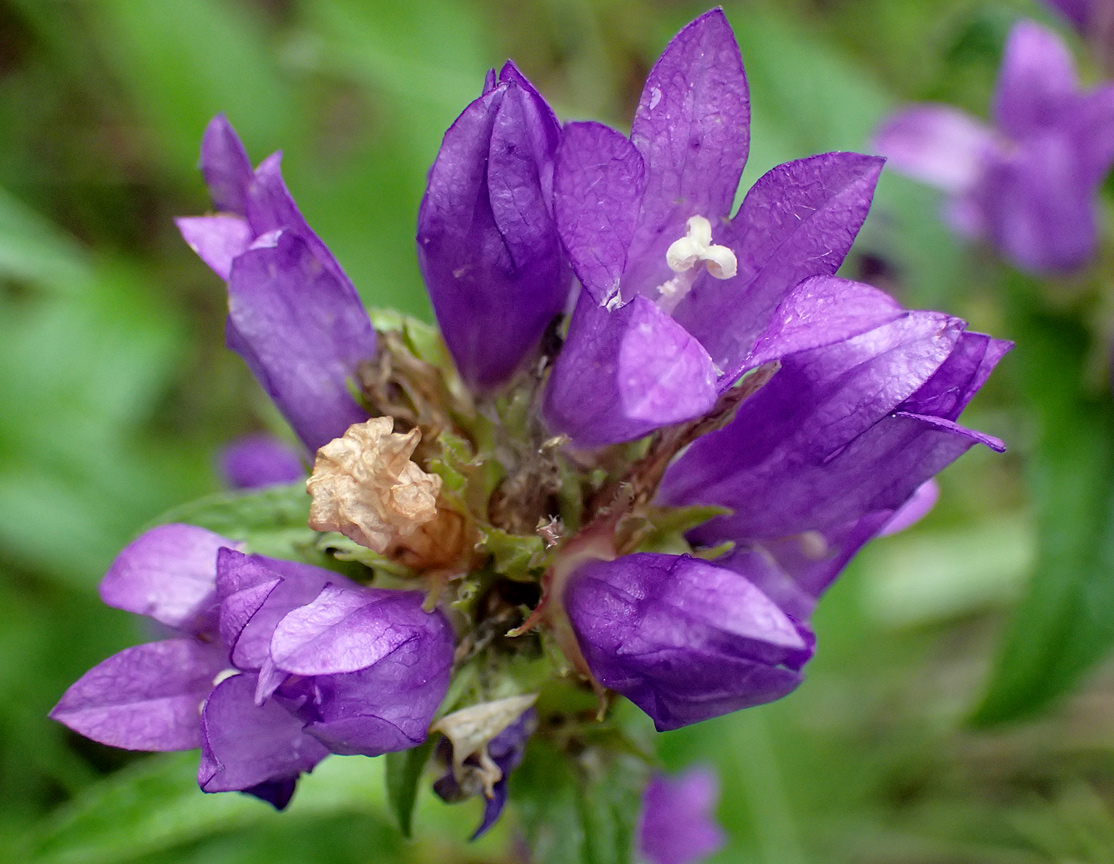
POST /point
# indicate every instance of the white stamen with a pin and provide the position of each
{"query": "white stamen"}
(686, 254)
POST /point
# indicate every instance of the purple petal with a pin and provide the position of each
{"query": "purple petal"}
(487, 245)
(936, 144)
(244, 745)
(216, 239)
(168, 574)
(799, 220)
(1039, 206)
(677, 824)
(794, 571)
(683, 639)
(244, 583)
(913, 510)
(388, 706)
(255, 461)
(144, 698)
(225, 166)
(277, 793)
(821, 311)
(692, 128)
(1036, 83)
(346, 629)
(795, 451)
(598, 185)
(1092, 130)
(624, 373)
(303, 332)
(957, 380)
(300, 584)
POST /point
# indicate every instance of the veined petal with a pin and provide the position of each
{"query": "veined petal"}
(598, 186)
(244, 583)
(244, 744)
(346, 629)
(820, 311)
(799, 220)
(692, 128)
(1037, 84)
(683, 639)
(389, 705)
(487, 245)
(303, 332)
(144, 698)
(225, 166)
(624, 373)
(937, 144)
(168, 574)
(217, 240)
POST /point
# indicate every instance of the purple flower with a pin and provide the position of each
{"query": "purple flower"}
(487, 245)
(677, 824)
(293, 315)
(255, 461)
(683, 639)
(675, 292)
(840, 440)
(274, 664)
(1029, 185)
(505, 751)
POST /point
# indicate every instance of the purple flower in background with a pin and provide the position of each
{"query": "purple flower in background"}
(487, 245)
(293, 315)
(677, 824)
(274, 664)
(255, 461)
(1029, 184)
(675, 292)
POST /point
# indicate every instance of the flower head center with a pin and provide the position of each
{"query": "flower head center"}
(684, 257)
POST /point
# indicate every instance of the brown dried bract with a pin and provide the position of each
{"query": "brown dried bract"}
(365, 486)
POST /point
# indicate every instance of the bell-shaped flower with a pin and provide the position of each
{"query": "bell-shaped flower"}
(293, 314)
(183, 692)
(835, 448)
(487, 244)
(675, 291)
(1029, 184)
(682, 638)
(275, 664)
(677, 824)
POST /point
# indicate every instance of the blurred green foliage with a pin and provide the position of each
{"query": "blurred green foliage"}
(117, 393)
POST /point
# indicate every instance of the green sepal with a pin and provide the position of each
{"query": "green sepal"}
(343, 549)
(404, 771)
(516, 556)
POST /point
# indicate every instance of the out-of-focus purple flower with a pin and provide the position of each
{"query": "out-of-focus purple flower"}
(255, 461)
(293, 314)
(505, 751)
(835, 448)
(487, 244)
(677, 824)
(683, 639)
(275, 664)
(1029, 184)
(675, 293)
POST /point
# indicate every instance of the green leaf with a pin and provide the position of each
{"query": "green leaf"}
(1065, 622)
(404, 773)
(272, 521)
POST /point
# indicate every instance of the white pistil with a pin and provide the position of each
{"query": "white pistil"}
(684, 257)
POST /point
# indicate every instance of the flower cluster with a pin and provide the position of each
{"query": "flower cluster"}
(1029, 185)
(646, 497)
